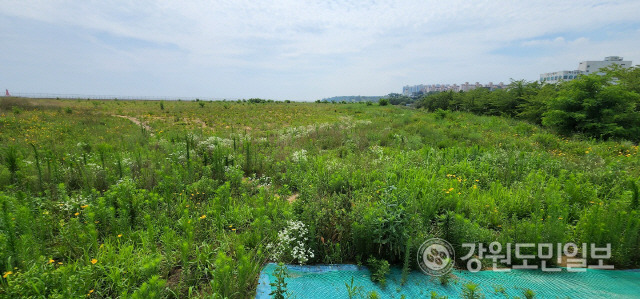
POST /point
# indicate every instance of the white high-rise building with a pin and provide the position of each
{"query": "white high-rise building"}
(590, 67)
(584, 68)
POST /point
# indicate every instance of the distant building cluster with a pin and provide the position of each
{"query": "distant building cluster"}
(427, 88)
(584, 68)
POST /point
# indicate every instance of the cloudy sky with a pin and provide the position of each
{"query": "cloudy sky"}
(299, 50)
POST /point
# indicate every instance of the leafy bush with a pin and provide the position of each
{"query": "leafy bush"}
(592, 105)
(154, 288)
(379, 270)
(528, 293)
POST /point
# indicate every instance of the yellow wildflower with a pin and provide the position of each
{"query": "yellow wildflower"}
(7, 274)
(203, 216)
(94, 261)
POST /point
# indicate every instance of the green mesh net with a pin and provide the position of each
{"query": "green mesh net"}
(328, 281)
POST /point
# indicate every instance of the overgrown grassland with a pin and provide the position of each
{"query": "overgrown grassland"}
(175, 199)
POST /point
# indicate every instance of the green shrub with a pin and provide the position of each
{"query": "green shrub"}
(528, 293)
(471, 291)
(445, 279)
(154, 288)
(594, 106)
(440, 114)
(379, 270)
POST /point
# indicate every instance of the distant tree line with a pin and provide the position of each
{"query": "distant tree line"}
(601, 106)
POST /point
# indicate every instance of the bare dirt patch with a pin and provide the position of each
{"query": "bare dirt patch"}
(293, 197)
(135, 121)
(174, 277)
(201, 123)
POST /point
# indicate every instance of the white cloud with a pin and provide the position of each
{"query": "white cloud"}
(308, 49)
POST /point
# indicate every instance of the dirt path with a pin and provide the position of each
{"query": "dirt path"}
(135, 121)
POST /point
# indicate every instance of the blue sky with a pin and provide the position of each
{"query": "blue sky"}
(299, 50)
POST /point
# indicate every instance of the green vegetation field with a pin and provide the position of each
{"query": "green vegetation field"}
(148, 199)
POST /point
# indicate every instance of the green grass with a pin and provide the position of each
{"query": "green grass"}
(185, 203)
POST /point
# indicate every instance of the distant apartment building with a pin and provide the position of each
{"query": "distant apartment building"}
(555, 77)
(584, 68)
(427, 88)
(409, 90)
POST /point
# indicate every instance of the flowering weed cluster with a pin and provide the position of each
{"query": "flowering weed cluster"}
(299, 156)
(291, 245)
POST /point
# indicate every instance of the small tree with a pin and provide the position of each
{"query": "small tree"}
(383, 102)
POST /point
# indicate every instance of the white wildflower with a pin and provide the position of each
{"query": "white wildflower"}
(299, 156)
(290, 245)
